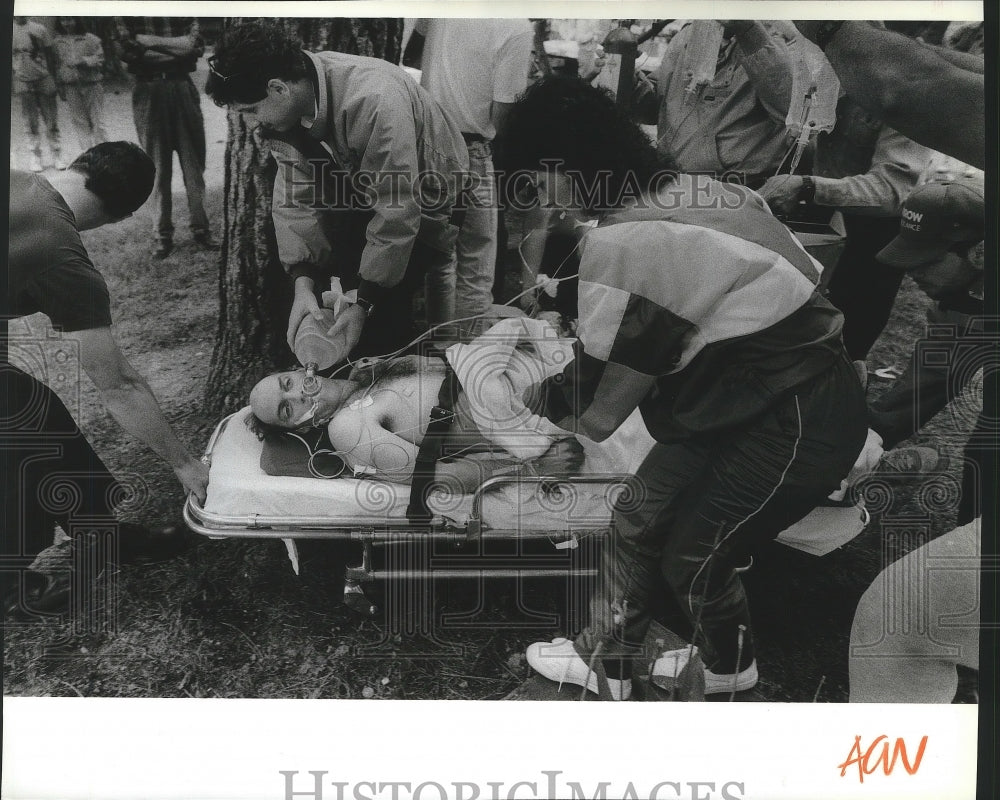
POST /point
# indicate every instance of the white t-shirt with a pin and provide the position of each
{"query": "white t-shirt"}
(469, 64)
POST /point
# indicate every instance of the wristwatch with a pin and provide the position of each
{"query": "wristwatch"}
(365, 305)
(808, 191)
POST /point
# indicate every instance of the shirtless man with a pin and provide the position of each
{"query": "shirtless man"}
(377, 420)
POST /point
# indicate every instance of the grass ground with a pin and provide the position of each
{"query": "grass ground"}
(230, 619)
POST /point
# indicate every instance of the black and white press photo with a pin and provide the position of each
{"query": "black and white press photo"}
(507, 360)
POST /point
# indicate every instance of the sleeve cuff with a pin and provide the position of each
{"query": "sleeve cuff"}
(753, 39)
(372, 292)
(307, 271)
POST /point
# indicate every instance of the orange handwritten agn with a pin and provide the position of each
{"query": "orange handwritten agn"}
(866, 766)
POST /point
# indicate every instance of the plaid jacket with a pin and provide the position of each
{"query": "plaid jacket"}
(701, 312)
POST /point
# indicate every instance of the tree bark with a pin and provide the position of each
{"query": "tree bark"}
(254, 292)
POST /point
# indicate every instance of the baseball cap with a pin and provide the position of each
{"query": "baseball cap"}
(936, 217)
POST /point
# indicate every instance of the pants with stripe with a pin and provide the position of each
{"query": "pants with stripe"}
(168, 120)
(705, 505)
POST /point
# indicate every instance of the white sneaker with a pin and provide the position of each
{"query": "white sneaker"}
(558, 661)
(35, 163)
(672, 663)
(60, 164)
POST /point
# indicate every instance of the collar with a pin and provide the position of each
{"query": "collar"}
(318, 126)
(726, 50)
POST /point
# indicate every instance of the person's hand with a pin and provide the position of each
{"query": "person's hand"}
(782, 193)
(193, 476)
(303, 305)
(346, 330)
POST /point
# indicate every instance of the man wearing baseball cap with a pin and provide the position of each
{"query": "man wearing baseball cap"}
(937, 218)
(940, 246)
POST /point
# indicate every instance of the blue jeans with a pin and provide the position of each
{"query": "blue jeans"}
(706, 504)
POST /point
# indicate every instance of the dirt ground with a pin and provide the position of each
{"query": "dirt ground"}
(230, 619)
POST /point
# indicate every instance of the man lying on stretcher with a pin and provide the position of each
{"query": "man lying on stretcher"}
(377, 419)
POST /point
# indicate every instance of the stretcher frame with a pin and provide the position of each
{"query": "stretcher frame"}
(386, 532)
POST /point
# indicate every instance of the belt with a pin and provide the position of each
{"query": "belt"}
(474, 138)
(161, 76)
(432, 447)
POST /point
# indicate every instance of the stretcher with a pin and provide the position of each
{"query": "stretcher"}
(557, 513)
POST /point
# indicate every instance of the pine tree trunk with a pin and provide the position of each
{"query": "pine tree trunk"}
(255, 294)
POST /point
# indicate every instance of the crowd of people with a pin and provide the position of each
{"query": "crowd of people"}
(692, 299)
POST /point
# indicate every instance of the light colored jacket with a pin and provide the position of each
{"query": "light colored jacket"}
(80, 58)
(865, 167)
(395, 145)
(700, 309)
(737, 121)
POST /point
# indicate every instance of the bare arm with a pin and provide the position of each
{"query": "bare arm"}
(911, 87)
(368, 444)
(130, 400)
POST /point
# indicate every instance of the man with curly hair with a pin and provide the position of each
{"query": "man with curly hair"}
(50, 472)
(698, 307)
(349, 133)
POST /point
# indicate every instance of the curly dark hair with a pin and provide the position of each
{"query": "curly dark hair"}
(119, 173)
(263, 430)
(566, 122)
(248, 56)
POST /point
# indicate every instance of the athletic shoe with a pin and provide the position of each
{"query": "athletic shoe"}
(35, 163)
(671, 664)
(558, 661)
